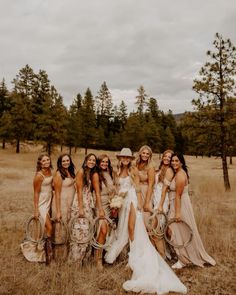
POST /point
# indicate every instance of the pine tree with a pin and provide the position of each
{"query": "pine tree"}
(215, 86)
(141, 100)
(88, 121)
(5, 106)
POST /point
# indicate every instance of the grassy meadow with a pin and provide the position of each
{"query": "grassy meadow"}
(214, 211)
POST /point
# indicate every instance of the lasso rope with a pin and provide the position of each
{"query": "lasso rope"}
(156, 230)
(27, 229)
(185, 244)
(94, 241)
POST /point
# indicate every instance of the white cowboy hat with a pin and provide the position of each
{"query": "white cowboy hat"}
(125, 152)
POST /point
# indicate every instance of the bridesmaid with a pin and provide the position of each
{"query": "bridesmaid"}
(64, 185)
(42, 203)
(162, 182)
(146, 174)
(106, 189)
(85, 181)
(181, 209)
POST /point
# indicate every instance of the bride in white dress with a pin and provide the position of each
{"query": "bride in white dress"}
(151, 274)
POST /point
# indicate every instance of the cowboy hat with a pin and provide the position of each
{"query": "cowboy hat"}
(125, 152)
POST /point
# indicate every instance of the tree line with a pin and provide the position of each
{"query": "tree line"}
(34, 110)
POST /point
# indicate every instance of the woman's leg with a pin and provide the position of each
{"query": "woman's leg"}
(131, 222)
(101, 240)
(48, 243)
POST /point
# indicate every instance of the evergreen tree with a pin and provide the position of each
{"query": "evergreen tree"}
(215, 86)
(5, 106)
(122, 114)
(88, 121)
(21, 115)
(141, 100)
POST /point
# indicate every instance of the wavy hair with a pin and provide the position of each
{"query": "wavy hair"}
(38, 165)
(182, 161)
(100, 171)
(162, 168)
(88, 173)
(139, 160)
(71, 168)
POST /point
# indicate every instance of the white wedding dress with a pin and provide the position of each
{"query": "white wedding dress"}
(151, 274)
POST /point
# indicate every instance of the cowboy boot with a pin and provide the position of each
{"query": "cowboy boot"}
(98, 259)
(48, 250)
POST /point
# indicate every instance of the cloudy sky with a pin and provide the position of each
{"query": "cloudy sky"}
(160, 44)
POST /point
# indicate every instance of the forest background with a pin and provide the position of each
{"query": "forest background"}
(34, 110)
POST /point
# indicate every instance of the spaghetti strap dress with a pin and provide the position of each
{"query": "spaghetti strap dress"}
(194, 253)
(35, 252)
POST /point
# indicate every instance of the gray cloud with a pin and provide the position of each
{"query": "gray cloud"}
(159, 44)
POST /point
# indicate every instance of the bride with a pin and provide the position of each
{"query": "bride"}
(150, 272)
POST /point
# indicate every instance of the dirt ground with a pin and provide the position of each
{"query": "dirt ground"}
(214, 210)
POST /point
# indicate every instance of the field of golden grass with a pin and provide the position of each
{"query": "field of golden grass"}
(214, 211)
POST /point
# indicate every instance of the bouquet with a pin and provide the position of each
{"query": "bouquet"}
(116, 203)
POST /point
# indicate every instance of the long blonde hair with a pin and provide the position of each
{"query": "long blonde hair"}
(138, 159)
(120, 168)
(162, 168)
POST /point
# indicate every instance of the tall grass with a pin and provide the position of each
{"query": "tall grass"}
(214, 211)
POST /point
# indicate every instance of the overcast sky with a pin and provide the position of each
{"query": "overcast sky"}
(127, 43)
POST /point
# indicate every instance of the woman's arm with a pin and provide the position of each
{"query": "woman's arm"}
(180, 183)
(95, 183)
(79, 188)
(167, 179)
(148, 198)
(137, 188)
(38, 179)
(57, 181)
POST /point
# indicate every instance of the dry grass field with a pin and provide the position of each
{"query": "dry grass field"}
(214, 211)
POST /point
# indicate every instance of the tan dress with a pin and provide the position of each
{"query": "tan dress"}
(35, 252)
(143, 182)
(106, 190)
(67, 196)
(194, 253)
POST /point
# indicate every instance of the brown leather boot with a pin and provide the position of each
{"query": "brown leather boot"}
(48, 250)
(98, 259)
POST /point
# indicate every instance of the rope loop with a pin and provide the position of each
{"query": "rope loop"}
(111, 224)
(40, 226)
(185, 244)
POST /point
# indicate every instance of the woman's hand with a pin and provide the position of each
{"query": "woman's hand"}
(140, 206)
(81, 212)
(177, 217)
(147, 207)
(160, 209)
(58, 216)
(36, 213)
(101, 213)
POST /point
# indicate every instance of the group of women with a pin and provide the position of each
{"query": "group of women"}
(87, 194)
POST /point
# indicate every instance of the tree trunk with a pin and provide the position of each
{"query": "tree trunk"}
(61, 148)
(86, 151)
(49, 148)
(231, 160)
(75, 149)
(225, 173)
(70, 149)
(17, 146)
(3, 143)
